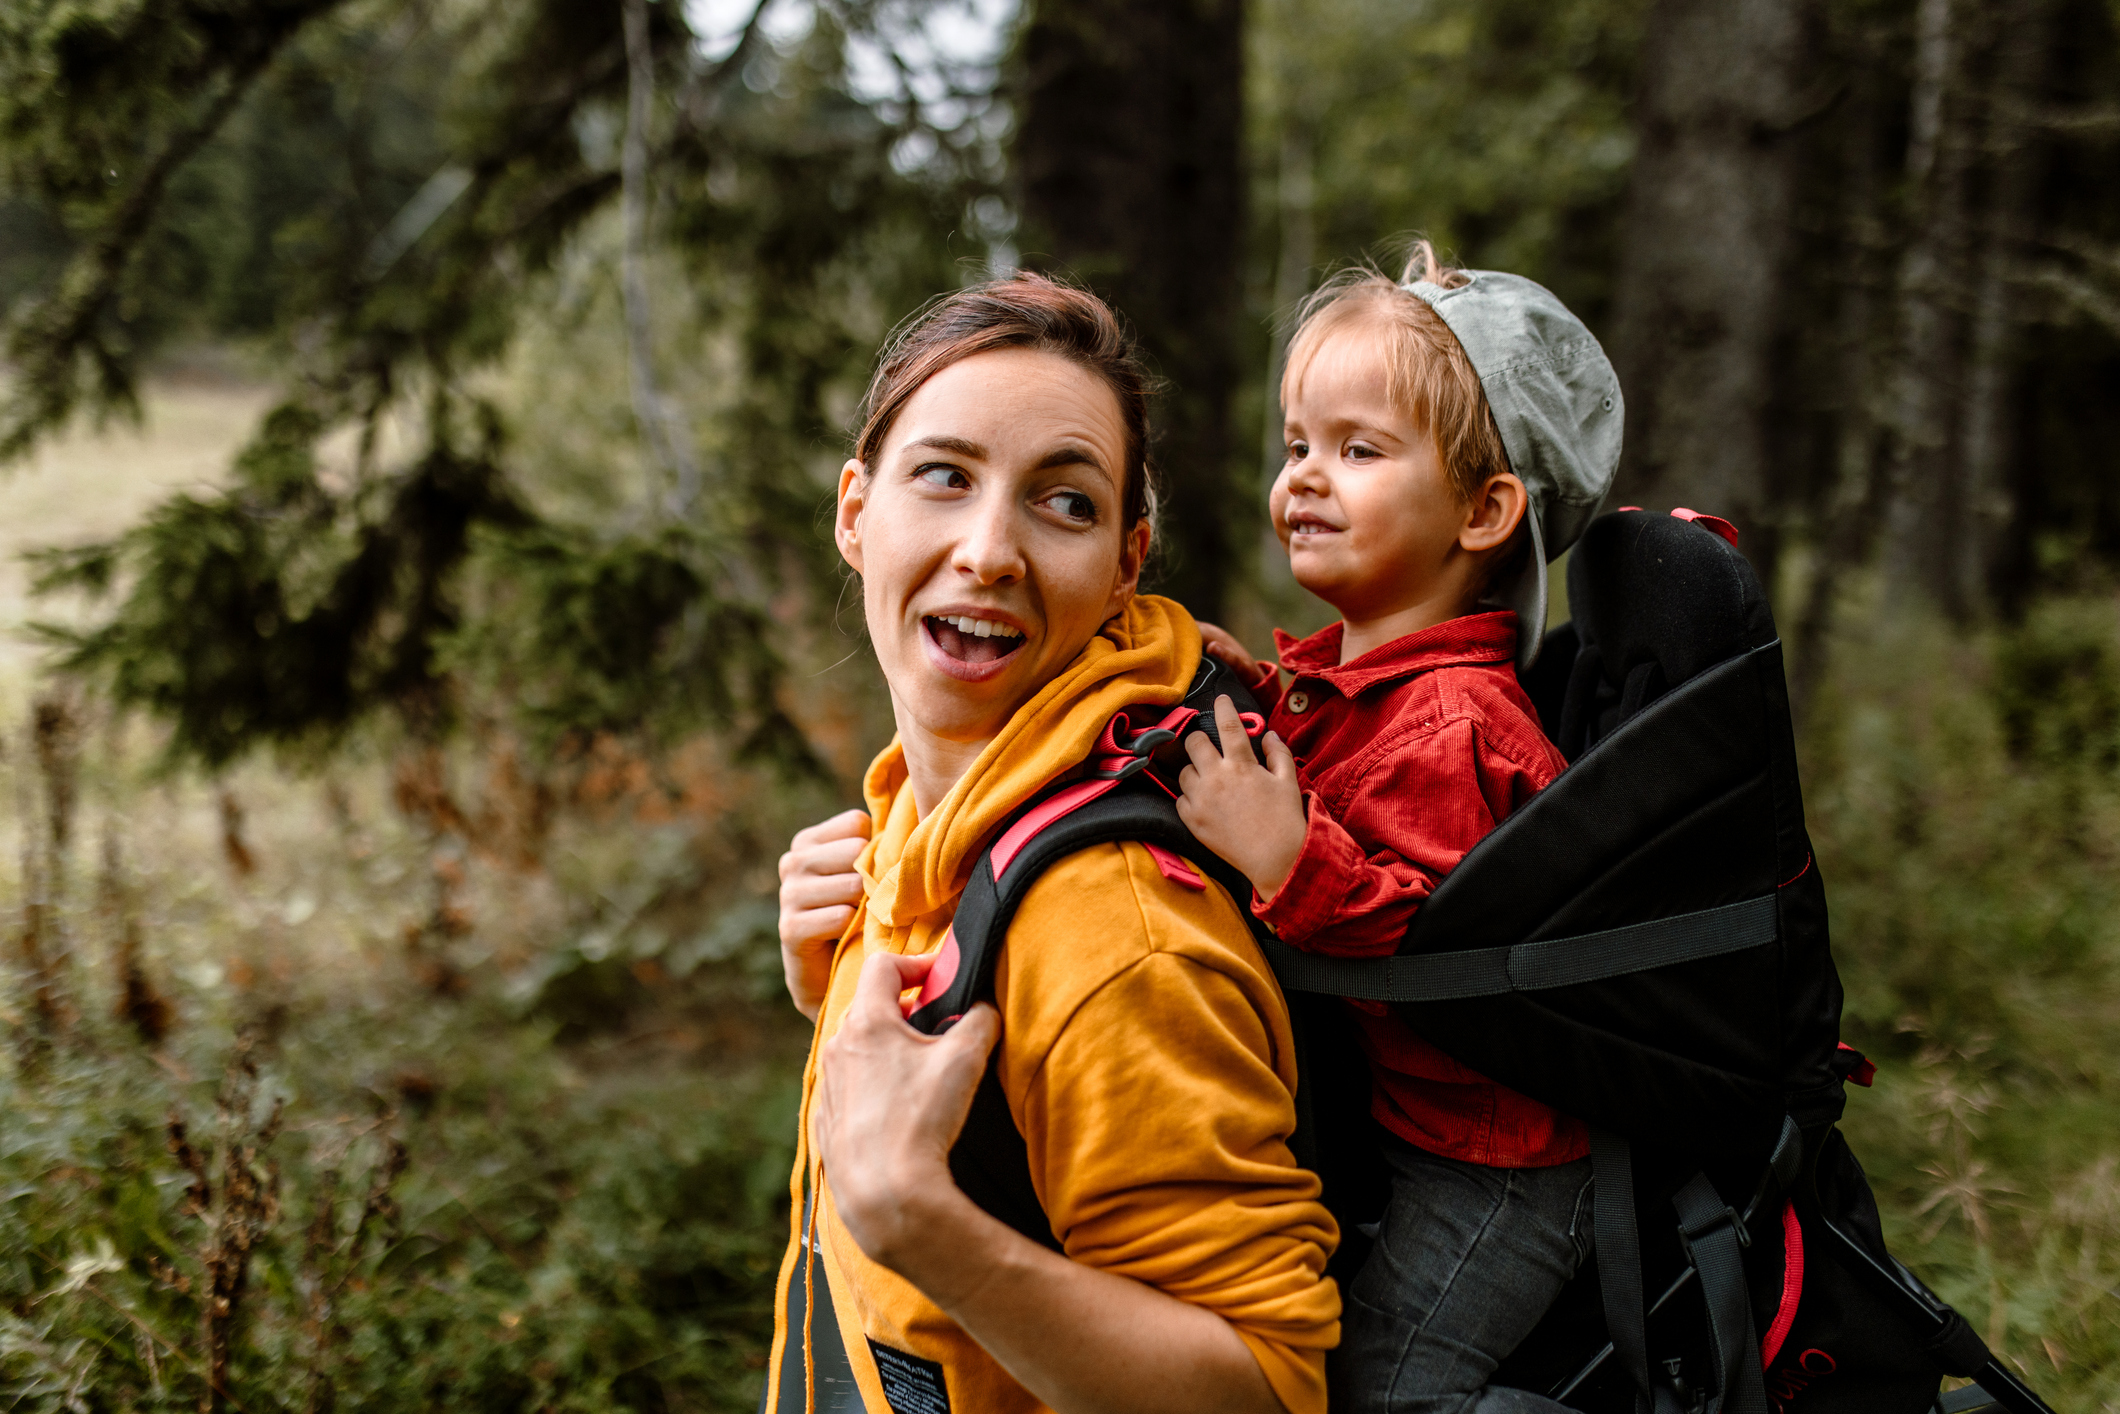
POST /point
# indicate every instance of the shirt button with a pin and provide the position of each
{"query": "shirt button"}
(1299, 702)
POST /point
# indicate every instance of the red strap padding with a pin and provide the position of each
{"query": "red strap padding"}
(1176, 867)
(1053, 808)
(1715, 523)
(939, 977)
(1791, 1286)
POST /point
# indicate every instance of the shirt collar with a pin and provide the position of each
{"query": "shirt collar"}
(1473, 639)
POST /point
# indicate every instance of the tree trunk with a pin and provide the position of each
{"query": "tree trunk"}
(1926, 523)
(1128, 157)
(1993, 405)
(1702, 272)
(1850, 494)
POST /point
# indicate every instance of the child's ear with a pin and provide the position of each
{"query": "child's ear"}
(1494, 513)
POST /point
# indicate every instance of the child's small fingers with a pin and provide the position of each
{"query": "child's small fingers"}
(1279, 759)
(1228, 723)
(1201, 750)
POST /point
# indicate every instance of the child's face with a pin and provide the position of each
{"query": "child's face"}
(1370, 519)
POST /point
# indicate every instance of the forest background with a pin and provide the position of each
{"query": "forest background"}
(421, 415)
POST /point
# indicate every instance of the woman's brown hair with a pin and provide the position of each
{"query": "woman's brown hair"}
(1020, 311)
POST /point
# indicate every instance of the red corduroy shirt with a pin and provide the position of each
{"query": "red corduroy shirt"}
(1408, 756)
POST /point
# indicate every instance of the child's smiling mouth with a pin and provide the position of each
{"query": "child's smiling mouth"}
(1307, 523)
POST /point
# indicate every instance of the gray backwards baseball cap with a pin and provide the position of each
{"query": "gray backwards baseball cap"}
(1557, 403)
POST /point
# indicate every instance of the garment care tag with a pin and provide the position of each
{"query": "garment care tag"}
(911, 1384)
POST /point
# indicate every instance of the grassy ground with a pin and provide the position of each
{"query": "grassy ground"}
(536, 1085)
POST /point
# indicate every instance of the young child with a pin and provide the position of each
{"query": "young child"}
(1448, 434)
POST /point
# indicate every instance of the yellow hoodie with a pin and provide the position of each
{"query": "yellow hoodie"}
(1145, 1053)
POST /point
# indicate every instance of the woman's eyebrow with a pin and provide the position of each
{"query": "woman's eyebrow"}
(1071, 455)
(943, 443)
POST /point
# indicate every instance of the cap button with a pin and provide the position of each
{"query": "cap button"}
(1298, 702)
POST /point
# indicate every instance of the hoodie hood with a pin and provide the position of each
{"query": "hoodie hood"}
(913, 869)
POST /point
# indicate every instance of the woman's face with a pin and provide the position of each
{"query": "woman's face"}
(987, 536)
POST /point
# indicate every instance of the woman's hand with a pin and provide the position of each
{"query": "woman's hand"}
(1219, 642)
(819, 890)
(1251, 815)
(887, 1109)
(888, 1105)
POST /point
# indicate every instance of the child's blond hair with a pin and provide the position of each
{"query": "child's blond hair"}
(1431, 382)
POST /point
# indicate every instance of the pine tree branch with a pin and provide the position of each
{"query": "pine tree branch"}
(49, 341)
(661, 423)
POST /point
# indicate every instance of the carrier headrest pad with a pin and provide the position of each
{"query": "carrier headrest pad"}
(1653, 588)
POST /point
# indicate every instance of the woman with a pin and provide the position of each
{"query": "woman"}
(997, 510)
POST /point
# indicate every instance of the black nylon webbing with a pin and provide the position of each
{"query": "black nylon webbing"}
(1711, 1233)
(1619, 1256)
(1530, 967)
(837, 1393)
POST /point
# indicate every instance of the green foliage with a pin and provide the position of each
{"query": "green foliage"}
(473, 1185)
(629, 633)
(1501, 131)
(548, 1246)
(273, 613)
(1965, 803)
(387, 196)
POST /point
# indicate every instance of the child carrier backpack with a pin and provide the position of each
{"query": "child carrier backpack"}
(1642, 945)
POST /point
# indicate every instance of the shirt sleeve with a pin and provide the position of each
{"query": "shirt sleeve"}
(1157, 1121)
(1360, 878)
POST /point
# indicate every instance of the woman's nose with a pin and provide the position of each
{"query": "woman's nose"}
(991, 548)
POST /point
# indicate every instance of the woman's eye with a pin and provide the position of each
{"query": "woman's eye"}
(1074, 505)
(944, 477)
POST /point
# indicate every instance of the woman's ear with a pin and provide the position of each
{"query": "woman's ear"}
(1133, 554)
(1494, 513)
(853, 500)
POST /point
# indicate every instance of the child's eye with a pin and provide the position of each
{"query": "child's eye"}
(943, 477)
(1357, 452)
(1298, 450)
(1073, 504)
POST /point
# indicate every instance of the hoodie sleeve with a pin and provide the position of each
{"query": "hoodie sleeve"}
(1148, 1060)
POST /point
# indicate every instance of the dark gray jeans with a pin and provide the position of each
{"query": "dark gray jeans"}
(1467, 1260)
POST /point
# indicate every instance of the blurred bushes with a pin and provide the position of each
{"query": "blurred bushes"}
(549, 1244)
(1964, 795)
(463, 1100)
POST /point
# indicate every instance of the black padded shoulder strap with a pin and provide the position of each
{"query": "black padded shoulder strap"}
(990, 1161)
(1125, 811)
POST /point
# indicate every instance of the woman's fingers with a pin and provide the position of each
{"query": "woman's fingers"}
(1223, 644)
(834, 842)
(819, 891)
(800, 891)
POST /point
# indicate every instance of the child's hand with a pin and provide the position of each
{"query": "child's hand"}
(1251, 815)
(1220, 643)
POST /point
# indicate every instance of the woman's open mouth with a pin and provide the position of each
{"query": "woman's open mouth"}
(971, 647)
